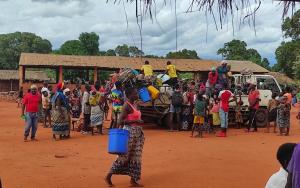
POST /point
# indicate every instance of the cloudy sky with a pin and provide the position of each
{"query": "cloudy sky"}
(61, 20)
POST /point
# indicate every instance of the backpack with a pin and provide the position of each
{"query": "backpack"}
(177, 98)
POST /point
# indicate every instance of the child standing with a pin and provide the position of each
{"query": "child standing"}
(215, 112)
(46, 107)
(238, 114)
(283, 116)
(272, 112)
(199, 114)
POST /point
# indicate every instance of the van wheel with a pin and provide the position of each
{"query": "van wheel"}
(261, 117)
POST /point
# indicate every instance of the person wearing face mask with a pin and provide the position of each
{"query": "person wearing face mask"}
(30, 109)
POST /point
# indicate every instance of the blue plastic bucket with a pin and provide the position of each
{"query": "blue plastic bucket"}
(118, 141)
(144, 94)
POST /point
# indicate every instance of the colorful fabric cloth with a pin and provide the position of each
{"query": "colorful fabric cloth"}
(97, 114)
(31, 102)
(198, 119)
(147, 69)
(117, 100)
(294, 167)
(216, 118)
(131, 163)
(172, 71)
(283, 115)
(75, 106)
(224, 97)
(212, 78)
(59, 115)
(272, 104)
(200, 108)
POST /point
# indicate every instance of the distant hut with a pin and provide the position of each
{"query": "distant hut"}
(9, 79)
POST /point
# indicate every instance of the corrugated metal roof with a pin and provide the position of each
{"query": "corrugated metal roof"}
(115, 62)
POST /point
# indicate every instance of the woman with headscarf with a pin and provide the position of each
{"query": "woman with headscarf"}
(131, 163)
(97, 113)
(60, 114)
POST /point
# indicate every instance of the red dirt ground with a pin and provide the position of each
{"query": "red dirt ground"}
(169, 160)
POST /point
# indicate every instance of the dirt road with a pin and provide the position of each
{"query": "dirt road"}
(169, 160)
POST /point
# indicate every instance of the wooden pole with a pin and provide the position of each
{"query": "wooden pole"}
(95, 74)
(60, 77)
(87, 76)
(21, 75)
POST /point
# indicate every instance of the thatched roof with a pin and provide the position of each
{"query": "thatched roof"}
(30, 75)
(114, 62)
(282, 78)
(219, 10)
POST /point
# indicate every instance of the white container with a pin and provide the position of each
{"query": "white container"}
(163, 77)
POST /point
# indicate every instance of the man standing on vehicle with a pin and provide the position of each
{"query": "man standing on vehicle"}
(171, 71)
(147, 70)
(253, 99)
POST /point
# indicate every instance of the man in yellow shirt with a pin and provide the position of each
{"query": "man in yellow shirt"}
(147, 69)
(171, 71)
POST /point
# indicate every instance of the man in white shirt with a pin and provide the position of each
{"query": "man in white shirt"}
(284, 155)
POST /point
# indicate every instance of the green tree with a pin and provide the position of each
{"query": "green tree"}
(110, 52)
(237, 50)
(152, 56)
(135, 51)
(291, 26)
(122, 50)
(234, 50)
(72, 47)
(13, 44)
(90, 42)
(286, 55)
(265, 63)
(297, 68)
(183, 54)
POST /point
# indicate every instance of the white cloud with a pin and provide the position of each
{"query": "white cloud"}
(61, 20)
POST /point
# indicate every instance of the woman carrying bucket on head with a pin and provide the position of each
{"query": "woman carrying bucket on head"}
(130, 164)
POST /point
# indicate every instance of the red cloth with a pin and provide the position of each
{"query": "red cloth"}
(253, 96)
(212, 78)
(31, 102)
(224, 97)
(191, 97)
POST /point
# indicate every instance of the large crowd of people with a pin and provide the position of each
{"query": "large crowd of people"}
(197, 105)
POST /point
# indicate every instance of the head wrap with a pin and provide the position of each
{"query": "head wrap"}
(44, 89)
(213, 69)
(33, 87)
(66, 90)
(60, 85)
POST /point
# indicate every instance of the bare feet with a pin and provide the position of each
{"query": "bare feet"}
(135, 184)
(108, 181)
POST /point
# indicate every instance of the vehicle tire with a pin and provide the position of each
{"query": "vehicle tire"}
(261, 117)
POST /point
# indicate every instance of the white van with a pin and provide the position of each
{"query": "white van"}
(266, 85)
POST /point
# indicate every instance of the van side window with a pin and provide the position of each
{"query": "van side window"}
(267, 84)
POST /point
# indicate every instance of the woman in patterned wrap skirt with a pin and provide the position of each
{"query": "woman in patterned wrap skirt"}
(130, 164)
(60, 114)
